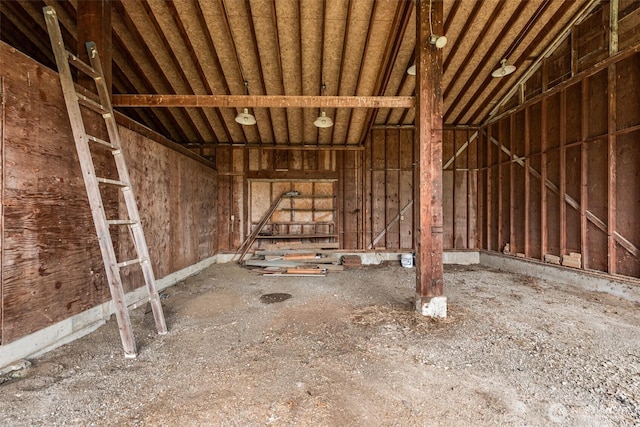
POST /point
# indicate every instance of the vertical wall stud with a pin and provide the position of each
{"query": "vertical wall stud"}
(544, 231)
(563, 173)
(515, 245)
(527, 185)
(489, 180)
(584, 174)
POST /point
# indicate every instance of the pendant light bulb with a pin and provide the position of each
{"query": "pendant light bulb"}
(245, 118)
(504, 69)
(412, 70)
(323, 121)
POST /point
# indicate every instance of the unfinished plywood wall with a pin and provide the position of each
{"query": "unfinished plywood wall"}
(51, 262)
(558, 174)
(388, 209)
(388, 188)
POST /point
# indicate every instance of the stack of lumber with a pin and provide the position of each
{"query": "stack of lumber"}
(351, 261)
(302, 260)
(574, 260)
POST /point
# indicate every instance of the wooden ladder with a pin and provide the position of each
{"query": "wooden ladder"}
(73, 100)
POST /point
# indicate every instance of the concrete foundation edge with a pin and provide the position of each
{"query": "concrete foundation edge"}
(81, 324)
(585, 280)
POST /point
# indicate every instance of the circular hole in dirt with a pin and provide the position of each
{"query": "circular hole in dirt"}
(271, 298)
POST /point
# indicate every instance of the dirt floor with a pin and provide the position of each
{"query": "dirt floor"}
(348, 349)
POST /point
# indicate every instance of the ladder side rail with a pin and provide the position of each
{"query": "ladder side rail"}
(91, 184)
(129, 198)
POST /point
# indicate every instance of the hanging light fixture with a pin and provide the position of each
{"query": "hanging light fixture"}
(245, 118)
(323, 121)
(438, 41)
(412, 70)
(504, 69)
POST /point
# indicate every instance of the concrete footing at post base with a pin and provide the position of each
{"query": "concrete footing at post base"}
(431, 306)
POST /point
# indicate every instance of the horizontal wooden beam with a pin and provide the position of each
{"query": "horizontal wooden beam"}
(263, 101)
(282, 147)
(293, 175)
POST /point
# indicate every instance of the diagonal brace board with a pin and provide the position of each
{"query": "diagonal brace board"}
(625, 243)
(391, 223)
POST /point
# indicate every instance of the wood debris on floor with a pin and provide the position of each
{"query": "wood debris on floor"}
(351, 261)
(296, 259)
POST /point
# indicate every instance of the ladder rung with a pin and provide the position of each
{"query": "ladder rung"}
(82, 66)
(101, 142)
(112, 182)
(139, 303)
(92, 105)
(121, 222)
(130, 262)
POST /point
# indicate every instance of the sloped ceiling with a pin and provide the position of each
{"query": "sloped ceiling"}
(291, 47)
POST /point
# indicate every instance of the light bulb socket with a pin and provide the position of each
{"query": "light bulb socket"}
(438, 41)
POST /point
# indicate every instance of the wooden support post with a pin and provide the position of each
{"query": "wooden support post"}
(94, 25)
(428, 175)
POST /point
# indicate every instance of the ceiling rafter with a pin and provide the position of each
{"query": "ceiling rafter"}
(465, 29)
(451, 16)
(256, 53)
(234, 50)
(527, 52)
(196, 64)
(274, 21)
(356, 47)
(146, 6)
(359, 80)
(346, 38)
(163, 117)
(153, 63)
(13, 27)
(521, 34)
(483, 61)
(217, 66)
(401, 21)
(485, 34)
(23, 21)
(323, 19)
